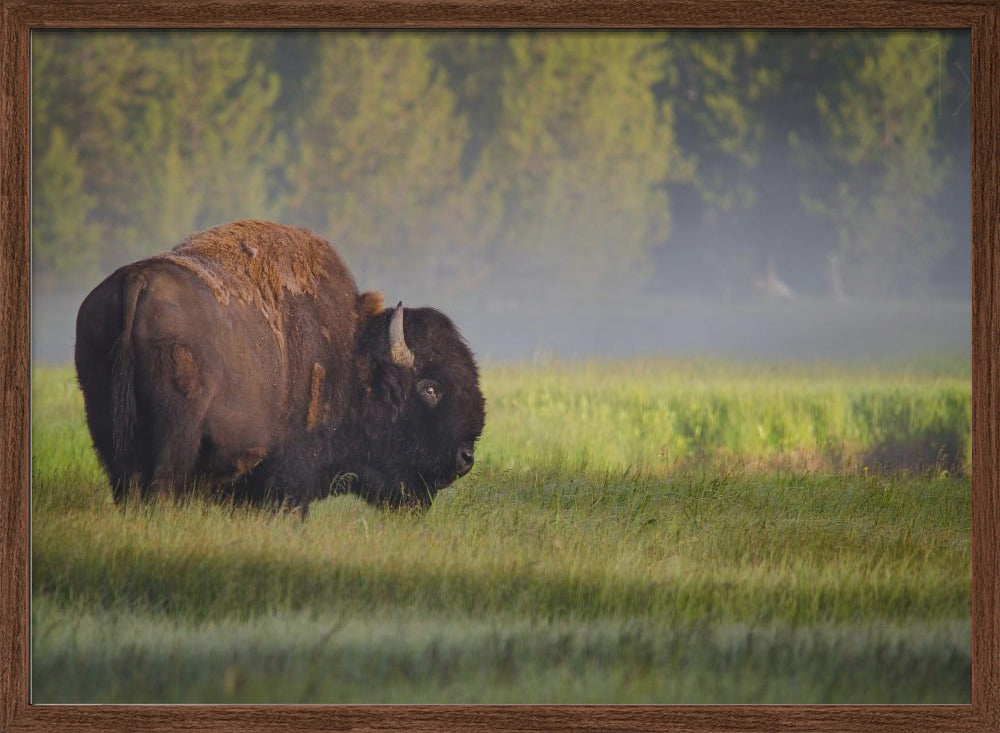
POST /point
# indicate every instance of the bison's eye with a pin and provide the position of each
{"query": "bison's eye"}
(429, 391)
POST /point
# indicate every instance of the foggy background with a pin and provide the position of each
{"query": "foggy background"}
(765, 194)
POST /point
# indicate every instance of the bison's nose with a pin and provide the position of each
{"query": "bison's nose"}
(464, 460)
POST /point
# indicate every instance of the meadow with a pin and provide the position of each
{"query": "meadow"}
(660, 531)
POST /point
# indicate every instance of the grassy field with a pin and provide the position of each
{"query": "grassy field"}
(644, 531)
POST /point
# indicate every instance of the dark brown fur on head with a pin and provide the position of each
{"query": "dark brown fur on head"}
(414, 444)
(370, 304)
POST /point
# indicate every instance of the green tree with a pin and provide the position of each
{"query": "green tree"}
(722, 83)
(64, 240)
(169, 132)
(877, 176)
(474, 64)
(578, 167)
(377, 157)
(200, 147)
(74, 77)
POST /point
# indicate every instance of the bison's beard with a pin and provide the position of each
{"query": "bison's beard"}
(394, 491)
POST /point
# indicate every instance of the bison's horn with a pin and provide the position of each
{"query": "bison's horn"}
(398, 349)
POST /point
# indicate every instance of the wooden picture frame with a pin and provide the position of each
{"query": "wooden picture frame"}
(19, 17)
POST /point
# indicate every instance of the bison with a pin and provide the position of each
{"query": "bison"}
(246, 360)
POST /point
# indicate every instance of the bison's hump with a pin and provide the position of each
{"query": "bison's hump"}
(257, 262)
(242, 258)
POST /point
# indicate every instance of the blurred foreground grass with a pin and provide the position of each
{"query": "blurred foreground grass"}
(633, 532)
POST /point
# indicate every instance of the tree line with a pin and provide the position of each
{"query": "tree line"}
(833, 164)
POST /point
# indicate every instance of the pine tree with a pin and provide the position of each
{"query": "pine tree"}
(74, 78)
(200, 147)
(879, 173)
(171, 132)
(582, 154)
(377, 153)
(64, 240)
(722, 85)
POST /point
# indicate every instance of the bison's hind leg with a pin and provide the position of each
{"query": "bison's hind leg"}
(175, 461)
(177, 423)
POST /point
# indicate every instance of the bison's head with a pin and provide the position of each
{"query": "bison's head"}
(424, 409)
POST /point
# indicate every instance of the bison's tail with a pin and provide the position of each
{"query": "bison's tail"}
(123, 409)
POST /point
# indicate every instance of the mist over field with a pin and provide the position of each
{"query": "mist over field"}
(568, 329)
(719, 288)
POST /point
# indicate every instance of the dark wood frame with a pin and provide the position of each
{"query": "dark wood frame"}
(18, 17)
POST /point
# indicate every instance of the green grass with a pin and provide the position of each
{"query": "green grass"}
(653, 531)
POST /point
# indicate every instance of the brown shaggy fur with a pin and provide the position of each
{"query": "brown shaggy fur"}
(185, 371)
(317, 412)
(370, 304)
(255, 262)
(249, 462)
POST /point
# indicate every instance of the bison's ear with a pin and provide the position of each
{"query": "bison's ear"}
(370, 304)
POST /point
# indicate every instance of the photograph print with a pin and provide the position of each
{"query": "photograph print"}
(501, 367)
